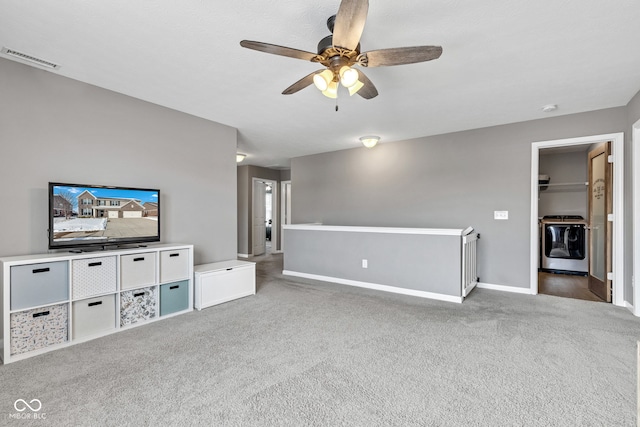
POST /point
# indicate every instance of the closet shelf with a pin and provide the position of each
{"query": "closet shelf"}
(564, 186)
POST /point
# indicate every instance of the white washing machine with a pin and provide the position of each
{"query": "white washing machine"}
(564, 244)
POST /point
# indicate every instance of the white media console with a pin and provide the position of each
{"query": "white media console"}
(55, 300)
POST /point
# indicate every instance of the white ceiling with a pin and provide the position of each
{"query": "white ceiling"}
(502, 61)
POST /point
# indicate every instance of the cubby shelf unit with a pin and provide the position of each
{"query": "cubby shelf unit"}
(51, 301)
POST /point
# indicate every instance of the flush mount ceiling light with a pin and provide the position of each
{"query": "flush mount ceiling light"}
(549, 108)
(369, 141)
(240, 157)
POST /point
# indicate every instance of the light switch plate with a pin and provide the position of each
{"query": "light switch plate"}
(500, 214)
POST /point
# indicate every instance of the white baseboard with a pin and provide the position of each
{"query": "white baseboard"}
(630, 307)
(378, 287)
(243, 255)
(503, 288)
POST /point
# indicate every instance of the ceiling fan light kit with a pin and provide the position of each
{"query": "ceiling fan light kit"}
(341, 51)
(327, 82)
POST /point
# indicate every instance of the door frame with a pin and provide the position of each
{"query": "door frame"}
(258, 184)
(635, 170)
(617, 151)
(283, 207)
(275, 211)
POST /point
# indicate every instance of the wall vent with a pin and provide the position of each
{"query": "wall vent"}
(29, 58)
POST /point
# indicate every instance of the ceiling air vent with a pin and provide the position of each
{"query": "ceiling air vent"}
(29, 58)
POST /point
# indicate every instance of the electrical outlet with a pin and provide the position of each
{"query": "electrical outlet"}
(365, 263)
(500, 214)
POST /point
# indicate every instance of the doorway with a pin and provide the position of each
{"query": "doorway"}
(563, 211)
(264, 236)
(617, 150)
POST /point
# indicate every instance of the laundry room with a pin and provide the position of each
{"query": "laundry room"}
(563, 212)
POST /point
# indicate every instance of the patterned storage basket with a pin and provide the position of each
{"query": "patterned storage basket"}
(137, 305)
(39, 328)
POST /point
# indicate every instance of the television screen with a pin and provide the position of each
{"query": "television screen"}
(86, 215)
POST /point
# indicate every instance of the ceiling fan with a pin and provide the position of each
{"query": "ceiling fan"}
(340, 51)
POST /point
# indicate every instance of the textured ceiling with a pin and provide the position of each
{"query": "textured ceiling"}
(503, 60)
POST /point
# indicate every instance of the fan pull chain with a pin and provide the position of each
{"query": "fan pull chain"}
(336, 103)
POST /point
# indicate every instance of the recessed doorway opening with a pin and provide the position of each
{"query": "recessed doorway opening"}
(573, 217)
(264, 236)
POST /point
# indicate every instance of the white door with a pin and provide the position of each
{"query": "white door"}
(259, 218)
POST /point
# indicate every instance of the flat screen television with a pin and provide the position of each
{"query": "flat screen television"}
(97, 215)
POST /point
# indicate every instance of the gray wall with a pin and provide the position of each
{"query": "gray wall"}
(633, 109)
(245, 175)
(421, 262)
(57, 129)
(244, 205)
(285, 175)
(564, 168)
(450, 181)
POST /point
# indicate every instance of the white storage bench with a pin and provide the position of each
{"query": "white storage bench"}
(224, 281)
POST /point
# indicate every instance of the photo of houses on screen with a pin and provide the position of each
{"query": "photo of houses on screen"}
(103, 213)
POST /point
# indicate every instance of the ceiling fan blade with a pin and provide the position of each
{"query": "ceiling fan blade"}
(300, 84)
(277, 50)
(401, 55)
(349, 24)
(367, 91)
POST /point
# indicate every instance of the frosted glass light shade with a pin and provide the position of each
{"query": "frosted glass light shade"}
(240, 157)
(348, 76)
(332, 90)
(369, 141)
(323, 79)
(355, 88)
